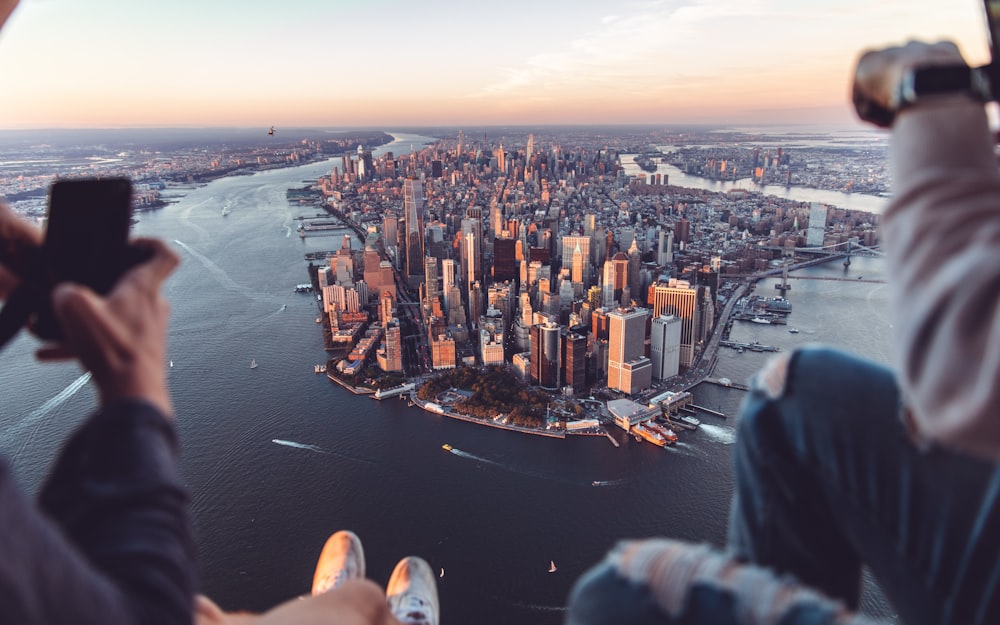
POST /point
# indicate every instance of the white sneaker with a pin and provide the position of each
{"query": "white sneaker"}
(412, 593)
(342, 559)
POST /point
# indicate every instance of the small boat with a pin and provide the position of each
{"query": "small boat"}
(447, 447)
(596, 483)
(552, 566)
(793, 330)
(171, 364)
(761, 320)
(253, 363)
(319, 369)
(442, 572)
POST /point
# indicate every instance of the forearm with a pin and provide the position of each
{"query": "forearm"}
(943, 239)
(114, 542)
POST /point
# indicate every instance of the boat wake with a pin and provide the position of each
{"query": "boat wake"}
(319, 450)
(719, 433)
(539, 608)
(314, 448)
(511, 468)
(617, 482)
(16, 431)
(687, 449)
(217, 272)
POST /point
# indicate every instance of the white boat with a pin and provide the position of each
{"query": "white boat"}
(793, 330)
(253, 363)
(171, 364)
(552, 566)
(442, 573)
(760, 320)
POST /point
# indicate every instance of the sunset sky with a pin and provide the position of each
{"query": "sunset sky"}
(118, 63)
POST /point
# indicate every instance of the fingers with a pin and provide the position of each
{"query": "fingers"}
(162, 262)
(17, 237)
(90, 327)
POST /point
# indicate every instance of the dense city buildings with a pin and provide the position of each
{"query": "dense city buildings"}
(541, 252)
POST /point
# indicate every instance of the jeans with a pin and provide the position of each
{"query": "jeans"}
(827, 477)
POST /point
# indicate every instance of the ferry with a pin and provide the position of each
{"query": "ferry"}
(667, 434)
(691, 421)
(447, 447)
(653, 437)
(761, 320)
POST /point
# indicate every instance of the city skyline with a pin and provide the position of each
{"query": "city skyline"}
(343, 64)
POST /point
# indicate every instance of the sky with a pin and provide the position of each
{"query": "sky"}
(381, 63)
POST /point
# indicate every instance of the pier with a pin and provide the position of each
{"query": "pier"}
(712, 412)
(753, 347)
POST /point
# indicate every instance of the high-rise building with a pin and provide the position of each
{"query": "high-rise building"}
(413, 213)
(569, 246)
(546, 354)
(574, 358)
(629, 370)
(432, 287)
(448, 275)
(390, 230)
(634, 265)
(390, 358)
(504, 259)
(577, 271)
(665, 346)
(817, 225)
(665, 248)
(386, 309)
(692, 304)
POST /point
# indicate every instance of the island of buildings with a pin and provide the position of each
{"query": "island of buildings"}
(605, 295)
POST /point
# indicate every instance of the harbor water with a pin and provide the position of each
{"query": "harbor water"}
(277, 457)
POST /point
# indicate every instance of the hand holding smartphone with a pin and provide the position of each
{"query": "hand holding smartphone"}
(86, 242)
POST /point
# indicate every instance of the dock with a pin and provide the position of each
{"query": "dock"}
(393, 392)
(709, 411)
(613, 440)
(753, 347)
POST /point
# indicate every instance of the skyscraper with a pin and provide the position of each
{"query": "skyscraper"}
(629, 370)
(692, 304)
(546, 354)
(817, 225)
(431, 279)
(665, 346)
(569, 246)
(413, 212)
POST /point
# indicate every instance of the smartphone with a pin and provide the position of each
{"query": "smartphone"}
(86, 241)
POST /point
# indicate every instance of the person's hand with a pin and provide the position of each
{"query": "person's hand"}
(120, 338)
(19, 242)
(879, 72)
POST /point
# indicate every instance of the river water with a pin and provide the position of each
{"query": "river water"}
(277, 457)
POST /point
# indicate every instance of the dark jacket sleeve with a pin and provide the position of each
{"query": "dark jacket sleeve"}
(109, 541)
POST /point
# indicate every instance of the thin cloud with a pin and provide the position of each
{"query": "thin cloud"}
(623, 48)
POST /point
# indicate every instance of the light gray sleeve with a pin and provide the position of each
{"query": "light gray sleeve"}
(942, 234)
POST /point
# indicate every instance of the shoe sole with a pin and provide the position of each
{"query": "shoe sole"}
(336, 552)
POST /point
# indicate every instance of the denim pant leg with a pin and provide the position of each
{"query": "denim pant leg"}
(827, 478)
(668, 582)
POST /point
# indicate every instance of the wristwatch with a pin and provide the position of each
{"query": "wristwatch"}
(934, 81)
(924, 84)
